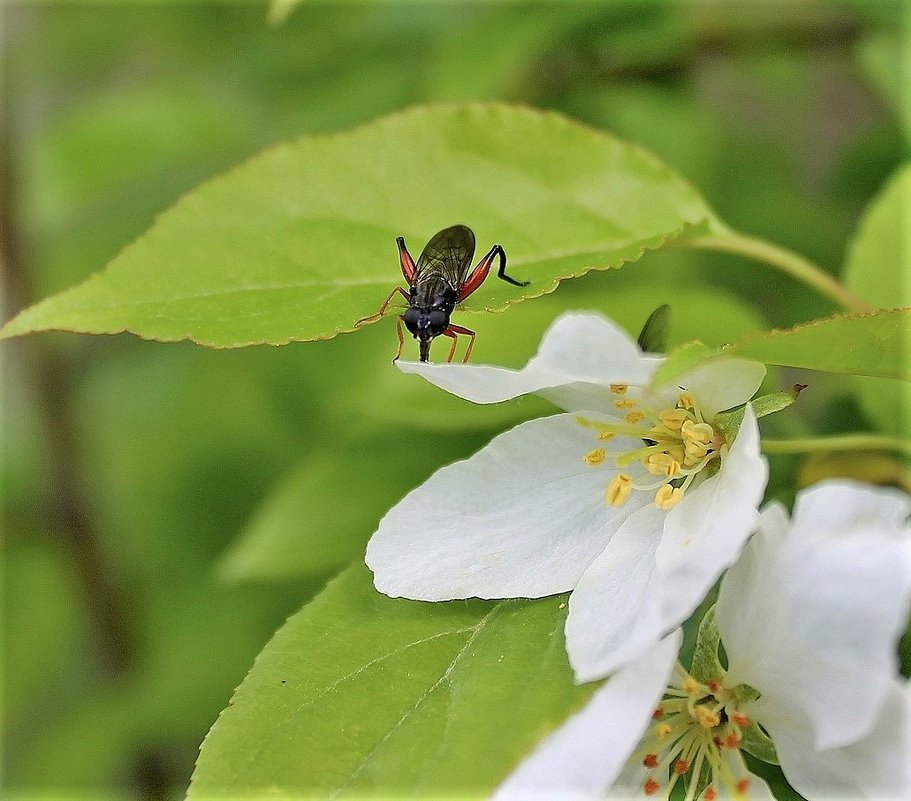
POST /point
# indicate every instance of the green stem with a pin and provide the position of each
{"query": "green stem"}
(785, 260)
(839, 442)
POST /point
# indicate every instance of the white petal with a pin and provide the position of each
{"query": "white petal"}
(751, 611)
(583, 758)
(523, 517)
(586, 350)
(659, 565)
(723, 384)
(878, 766)
(757, 618)
(811, 619)
(850, 594)
(615, 610)
(705, 532)
(846, 505)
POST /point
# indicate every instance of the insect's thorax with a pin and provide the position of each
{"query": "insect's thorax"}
(433, 292)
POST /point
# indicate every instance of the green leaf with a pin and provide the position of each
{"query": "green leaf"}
(756, 742)
(764, 405)
(877, 268)
(706, 664)
(870, 344)
(298, 244)
(359, 694)
(655, 332)
(879, 255)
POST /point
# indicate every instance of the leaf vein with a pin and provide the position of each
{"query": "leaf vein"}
(424, 696)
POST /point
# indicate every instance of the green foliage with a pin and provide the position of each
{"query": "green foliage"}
(878, 266)
(360, 694)
(655, 332)
(871, 344)
(706, 664)
(272, 466)
(296, 244)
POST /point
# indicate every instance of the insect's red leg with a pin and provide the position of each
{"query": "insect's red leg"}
(401, 335)
(383, 308)
(478, 274)
(408, 268)
(453, 331)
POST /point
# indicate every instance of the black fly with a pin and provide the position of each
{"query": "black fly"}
(442, 278)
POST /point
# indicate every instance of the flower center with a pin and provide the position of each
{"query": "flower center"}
(695, 738)
(678, 445)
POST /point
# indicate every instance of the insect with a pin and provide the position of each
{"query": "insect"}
(441, 278)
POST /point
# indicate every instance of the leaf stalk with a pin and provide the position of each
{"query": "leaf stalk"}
(839, 442)
(787, 261)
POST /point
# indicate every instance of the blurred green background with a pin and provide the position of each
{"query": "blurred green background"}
(143, 483)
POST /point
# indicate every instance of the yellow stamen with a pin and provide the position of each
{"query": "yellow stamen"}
(697, 432)
(625, 403)
(619, 389)
(691, 686)
(618, 490)
(662, 730)
(686, 401)
(673, 418)
(668, 497)
(662, 464)
(604, 436)
(596, 456)
(706, 717)
(694, 455)
(634, 417)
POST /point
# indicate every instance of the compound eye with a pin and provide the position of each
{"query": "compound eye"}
(438, 321)
(411, 320)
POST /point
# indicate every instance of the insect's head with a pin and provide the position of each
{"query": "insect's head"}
(424, 325)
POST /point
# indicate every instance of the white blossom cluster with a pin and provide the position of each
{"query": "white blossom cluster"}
(637, 501)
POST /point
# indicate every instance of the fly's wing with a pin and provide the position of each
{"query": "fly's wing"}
(448, 254)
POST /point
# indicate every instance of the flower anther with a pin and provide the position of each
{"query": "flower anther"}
(698, 738)
(679, 444)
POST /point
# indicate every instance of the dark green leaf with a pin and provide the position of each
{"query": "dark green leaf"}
(654, 334)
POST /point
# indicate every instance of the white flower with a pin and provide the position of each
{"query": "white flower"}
(809, 619)
(633, 499)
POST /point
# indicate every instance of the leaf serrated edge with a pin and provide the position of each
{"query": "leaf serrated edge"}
(420, 110)
(726, 351)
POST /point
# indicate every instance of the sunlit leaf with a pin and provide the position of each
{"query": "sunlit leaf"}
(298, 244)
(877, 268)
(869, 344)
(359, 693)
